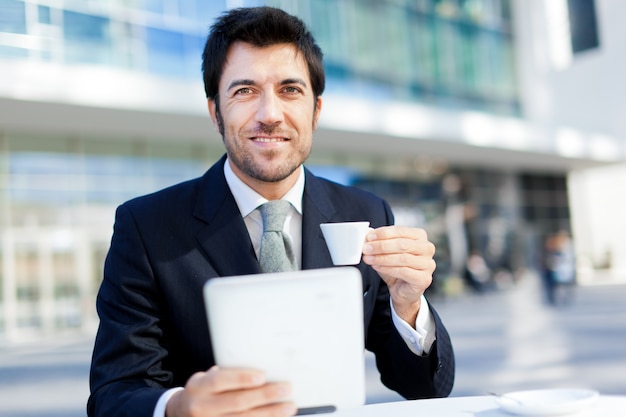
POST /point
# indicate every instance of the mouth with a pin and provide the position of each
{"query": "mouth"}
(265, 139)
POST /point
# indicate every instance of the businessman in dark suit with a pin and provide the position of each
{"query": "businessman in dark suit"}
(264, 79)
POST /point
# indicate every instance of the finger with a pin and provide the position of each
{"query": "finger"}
(390, 232)
(401, 260)
(418, 277)
(260, 399)
(200, 399)
(399, 246)
(217, 379)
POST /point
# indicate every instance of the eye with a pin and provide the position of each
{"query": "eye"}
(292, 90)
(243, 91)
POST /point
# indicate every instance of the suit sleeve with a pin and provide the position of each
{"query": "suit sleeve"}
(126, 378)
(410, 375)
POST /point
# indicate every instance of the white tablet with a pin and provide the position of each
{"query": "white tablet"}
(305, 327)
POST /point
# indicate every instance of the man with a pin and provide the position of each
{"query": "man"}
(264, 79)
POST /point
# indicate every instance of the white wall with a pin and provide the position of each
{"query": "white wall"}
(583, 99)
(598, 199)
(585, 96)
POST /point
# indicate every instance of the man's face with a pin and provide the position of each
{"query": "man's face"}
(267, 112)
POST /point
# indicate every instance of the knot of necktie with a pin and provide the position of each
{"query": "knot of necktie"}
(274, 214)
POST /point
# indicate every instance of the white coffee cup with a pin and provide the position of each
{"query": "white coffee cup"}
(345, 241)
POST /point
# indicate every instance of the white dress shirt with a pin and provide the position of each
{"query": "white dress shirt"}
(419, 339)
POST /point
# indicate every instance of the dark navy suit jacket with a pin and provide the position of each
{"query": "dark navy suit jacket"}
(153, 332)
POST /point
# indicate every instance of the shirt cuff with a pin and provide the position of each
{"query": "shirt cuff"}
(159, 409)
(420, 339)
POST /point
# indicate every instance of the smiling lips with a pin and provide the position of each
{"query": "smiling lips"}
(269, 140)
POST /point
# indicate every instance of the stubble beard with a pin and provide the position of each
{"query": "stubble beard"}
(264, 170)
(259, 167)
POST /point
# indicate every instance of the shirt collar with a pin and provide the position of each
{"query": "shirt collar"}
(248, 200)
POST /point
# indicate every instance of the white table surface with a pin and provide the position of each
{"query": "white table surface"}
(479, 406)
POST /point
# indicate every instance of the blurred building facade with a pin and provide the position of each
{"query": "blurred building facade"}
(491, 123)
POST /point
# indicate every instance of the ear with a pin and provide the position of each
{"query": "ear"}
(213, 113)
(318, 110)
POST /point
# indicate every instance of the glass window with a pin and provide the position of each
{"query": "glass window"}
(166, 52)
(201, 11)
(84, 27)
(395, 44)
(446, 41)
(425, 66)
(206, 11)
(583, 25)
(366, 26)
(58, 179)
(187, 9)
(87, 38)
(44, 15)
(450, 53)
(174, 54)
(153, 5)
(326, 27)
(37, 177)
(13, 16)
(165, 41)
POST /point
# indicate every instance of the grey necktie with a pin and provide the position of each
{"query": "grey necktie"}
(276, 254)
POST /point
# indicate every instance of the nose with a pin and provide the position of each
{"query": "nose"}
(270, 110)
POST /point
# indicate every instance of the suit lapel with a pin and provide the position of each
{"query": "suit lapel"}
(225, 238)
(316, 208)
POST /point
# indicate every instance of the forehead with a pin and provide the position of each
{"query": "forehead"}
(273, 63)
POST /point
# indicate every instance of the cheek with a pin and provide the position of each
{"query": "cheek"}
(304, 117)
(235, 118)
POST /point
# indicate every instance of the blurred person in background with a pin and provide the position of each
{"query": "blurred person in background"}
(477, 273)
(559, 274)
(263, 78)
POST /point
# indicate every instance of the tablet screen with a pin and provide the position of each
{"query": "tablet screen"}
(305, 327)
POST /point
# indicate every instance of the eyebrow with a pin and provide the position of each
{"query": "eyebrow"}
(286, 81)
(240, 82)
(294, 81)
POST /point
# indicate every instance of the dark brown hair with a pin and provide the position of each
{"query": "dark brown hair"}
(258, 26)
